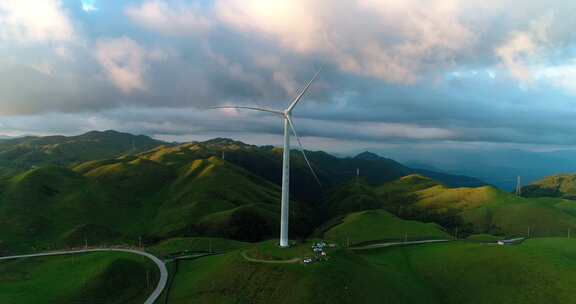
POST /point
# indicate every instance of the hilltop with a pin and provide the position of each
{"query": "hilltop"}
(561, 185)
(24, 153)
(469, 209)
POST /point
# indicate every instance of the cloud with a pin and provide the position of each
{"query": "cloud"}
(89, 6)
(560, 76)
(32, 21)
(515, 52)
(396, 41)
(125, 62)
(413, 70)
(523, 48)
(174, 20)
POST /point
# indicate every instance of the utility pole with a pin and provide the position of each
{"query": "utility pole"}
(569, 232)
(528, 231)
(223, 155)
(518, 186)
(85, 243)
(456, 234)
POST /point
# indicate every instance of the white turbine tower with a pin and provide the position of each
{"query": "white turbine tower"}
(288, 125)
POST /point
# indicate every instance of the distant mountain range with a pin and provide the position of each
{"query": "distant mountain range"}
(498, 167)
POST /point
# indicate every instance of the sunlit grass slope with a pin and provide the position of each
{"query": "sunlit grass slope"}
(477, 210)
(562, 185)
(379, 225)
(495, 211)
(28, 152)
(111, 278)
(119, 200)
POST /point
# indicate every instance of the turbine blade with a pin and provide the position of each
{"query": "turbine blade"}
(304, 90)
(250, 108)
(301, 148)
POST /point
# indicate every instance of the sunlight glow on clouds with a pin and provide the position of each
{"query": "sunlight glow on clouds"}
(159, 16)
(125, 62)
(524, 47)
(396, 41)
(407, 70)
(28, 21)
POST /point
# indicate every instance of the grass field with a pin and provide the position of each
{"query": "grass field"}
(375, 225)
(194, 244)
(484, 238)
(537, 271)
(111, 278)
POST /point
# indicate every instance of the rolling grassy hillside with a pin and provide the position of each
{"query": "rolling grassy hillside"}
(487, 209)
(562, 185)
(120, 200)
(96, 188)
(537, 271)
(378, 225)
(24, 153)
(87, 278)
(470, 210)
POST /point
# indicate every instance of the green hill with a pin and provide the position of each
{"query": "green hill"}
(123, 199)
(537, 271)
(487, 209)
(111, 187)
(88, 278)
(378, 225)
(470, 210)
(562, 185)
(25, 153)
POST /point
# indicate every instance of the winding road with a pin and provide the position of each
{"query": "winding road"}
(161, 266)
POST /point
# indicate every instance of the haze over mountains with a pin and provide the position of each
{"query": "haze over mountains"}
(498, 167)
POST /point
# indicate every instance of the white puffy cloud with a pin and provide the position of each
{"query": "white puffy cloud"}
(174, 20)
(523, 48)
(29, 21)
(391, 40)
(125, 62)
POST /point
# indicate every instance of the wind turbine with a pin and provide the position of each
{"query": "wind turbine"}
(288, 126)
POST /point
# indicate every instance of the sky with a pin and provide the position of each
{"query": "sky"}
(396, 73)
